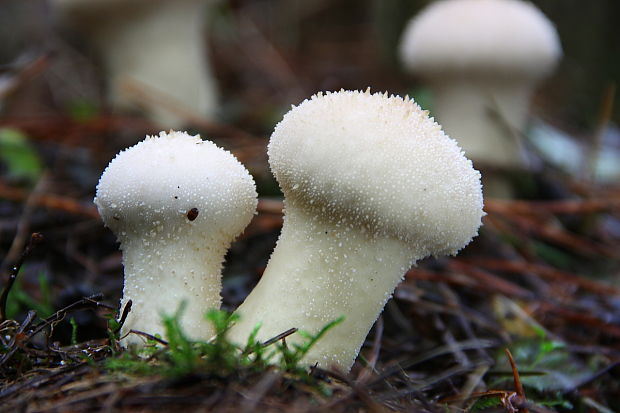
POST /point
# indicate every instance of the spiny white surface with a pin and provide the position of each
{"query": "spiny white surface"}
(488, 36)
(379, 162)
(145, 196)
(371, 185)
(156, 45)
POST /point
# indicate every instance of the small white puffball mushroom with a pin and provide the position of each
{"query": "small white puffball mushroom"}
(482, 59)
(156, 46)
(371, 185)
(175, 203)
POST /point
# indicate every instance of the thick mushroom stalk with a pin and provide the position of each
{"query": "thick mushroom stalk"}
(482, 59)
(371, 185)
(153, 52)
(175, 203)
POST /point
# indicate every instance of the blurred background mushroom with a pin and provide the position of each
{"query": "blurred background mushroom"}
(482, 60)
(153, 53)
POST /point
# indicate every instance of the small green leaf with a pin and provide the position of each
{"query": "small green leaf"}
(82, 110)
(20, 301)
(423, 97)
(19, 157)
(486, 402)
(74, 328)
(547, 346)
(552, 255)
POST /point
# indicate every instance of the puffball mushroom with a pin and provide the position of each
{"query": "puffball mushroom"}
(482, 59)
(371, 185)
(157, 46)
(175, 203)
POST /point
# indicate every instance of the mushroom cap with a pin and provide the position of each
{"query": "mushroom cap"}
(501, 37)
(380, 164)
(172, 182)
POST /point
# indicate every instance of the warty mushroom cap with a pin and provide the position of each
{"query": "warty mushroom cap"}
(152, 186)
(509, 37)
(381, 164)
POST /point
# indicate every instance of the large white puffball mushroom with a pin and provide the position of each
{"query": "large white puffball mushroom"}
(175, 203)
(482, 59)
(371, 185)
(153, 52)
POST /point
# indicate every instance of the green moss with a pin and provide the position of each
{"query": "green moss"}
(217, 357)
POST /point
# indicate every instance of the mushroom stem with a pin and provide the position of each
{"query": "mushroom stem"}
(164, 52)
(150, 48)
(484, 116)
(161, 273)
(361, 272)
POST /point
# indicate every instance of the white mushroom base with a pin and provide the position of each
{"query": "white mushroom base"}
(319, 272)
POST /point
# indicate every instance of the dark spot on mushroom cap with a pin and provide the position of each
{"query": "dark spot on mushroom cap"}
(192, 214)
